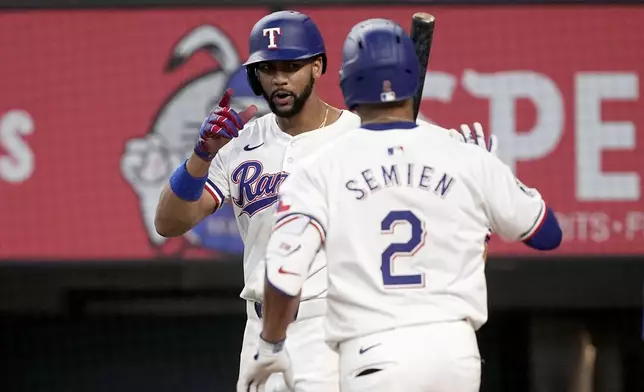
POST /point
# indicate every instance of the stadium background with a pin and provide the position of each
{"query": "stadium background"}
(99, 100)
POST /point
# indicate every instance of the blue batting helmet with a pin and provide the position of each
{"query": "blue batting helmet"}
(379, 64)
(283, 35)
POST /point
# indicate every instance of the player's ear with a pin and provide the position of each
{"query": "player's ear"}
(316, 67)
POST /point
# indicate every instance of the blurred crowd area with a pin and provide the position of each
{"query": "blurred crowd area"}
(100, 101)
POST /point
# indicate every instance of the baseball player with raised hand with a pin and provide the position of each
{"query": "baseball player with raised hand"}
(402, 215)
(246, 162)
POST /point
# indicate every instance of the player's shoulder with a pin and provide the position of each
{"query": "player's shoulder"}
(449, 139)
(332, 152)
(348, 119)
(422, 123)
(350, 124)
(435, 130)
(474, 159)
(257, 128)
(342, 130)
(255, 132)
(450, 144)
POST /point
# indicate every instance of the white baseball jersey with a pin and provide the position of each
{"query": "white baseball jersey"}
(249, 171)
(403, 212)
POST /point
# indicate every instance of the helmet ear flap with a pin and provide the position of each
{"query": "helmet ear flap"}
(253, 80)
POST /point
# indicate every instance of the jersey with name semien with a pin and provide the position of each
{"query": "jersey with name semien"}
(404, 215)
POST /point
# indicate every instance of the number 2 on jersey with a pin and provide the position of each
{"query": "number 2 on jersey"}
(408, 249)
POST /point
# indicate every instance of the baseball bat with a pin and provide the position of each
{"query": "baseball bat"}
(422, 33)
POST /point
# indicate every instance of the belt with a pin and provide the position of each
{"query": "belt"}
(306, 310)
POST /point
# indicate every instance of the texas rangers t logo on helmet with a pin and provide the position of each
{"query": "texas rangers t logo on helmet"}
(271, 32)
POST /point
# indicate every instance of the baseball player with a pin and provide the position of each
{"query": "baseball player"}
(402, 214)
(287, 57)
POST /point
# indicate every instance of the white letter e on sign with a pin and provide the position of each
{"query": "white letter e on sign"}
(271, 36)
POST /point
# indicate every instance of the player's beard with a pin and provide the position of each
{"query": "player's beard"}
(298, 101)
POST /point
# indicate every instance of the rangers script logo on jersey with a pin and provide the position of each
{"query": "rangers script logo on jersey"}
(257, 190)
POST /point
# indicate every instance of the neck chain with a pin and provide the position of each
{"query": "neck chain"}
(326, 113)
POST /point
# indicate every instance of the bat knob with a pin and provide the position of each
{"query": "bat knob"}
(424, 17)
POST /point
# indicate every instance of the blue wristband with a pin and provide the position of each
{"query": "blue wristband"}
(185, 186)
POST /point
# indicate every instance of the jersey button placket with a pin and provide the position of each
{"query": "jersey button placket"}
(289, 159)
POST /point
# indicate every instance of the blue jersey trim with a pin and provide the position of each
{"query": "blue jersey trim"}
(216, 188)
(389, 126)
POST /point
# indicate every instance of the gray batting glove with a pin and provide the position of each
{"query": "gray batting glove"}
(477, 137)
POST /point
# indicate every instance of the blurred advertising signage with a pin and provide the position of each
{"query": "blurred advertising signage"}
(98, 107)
